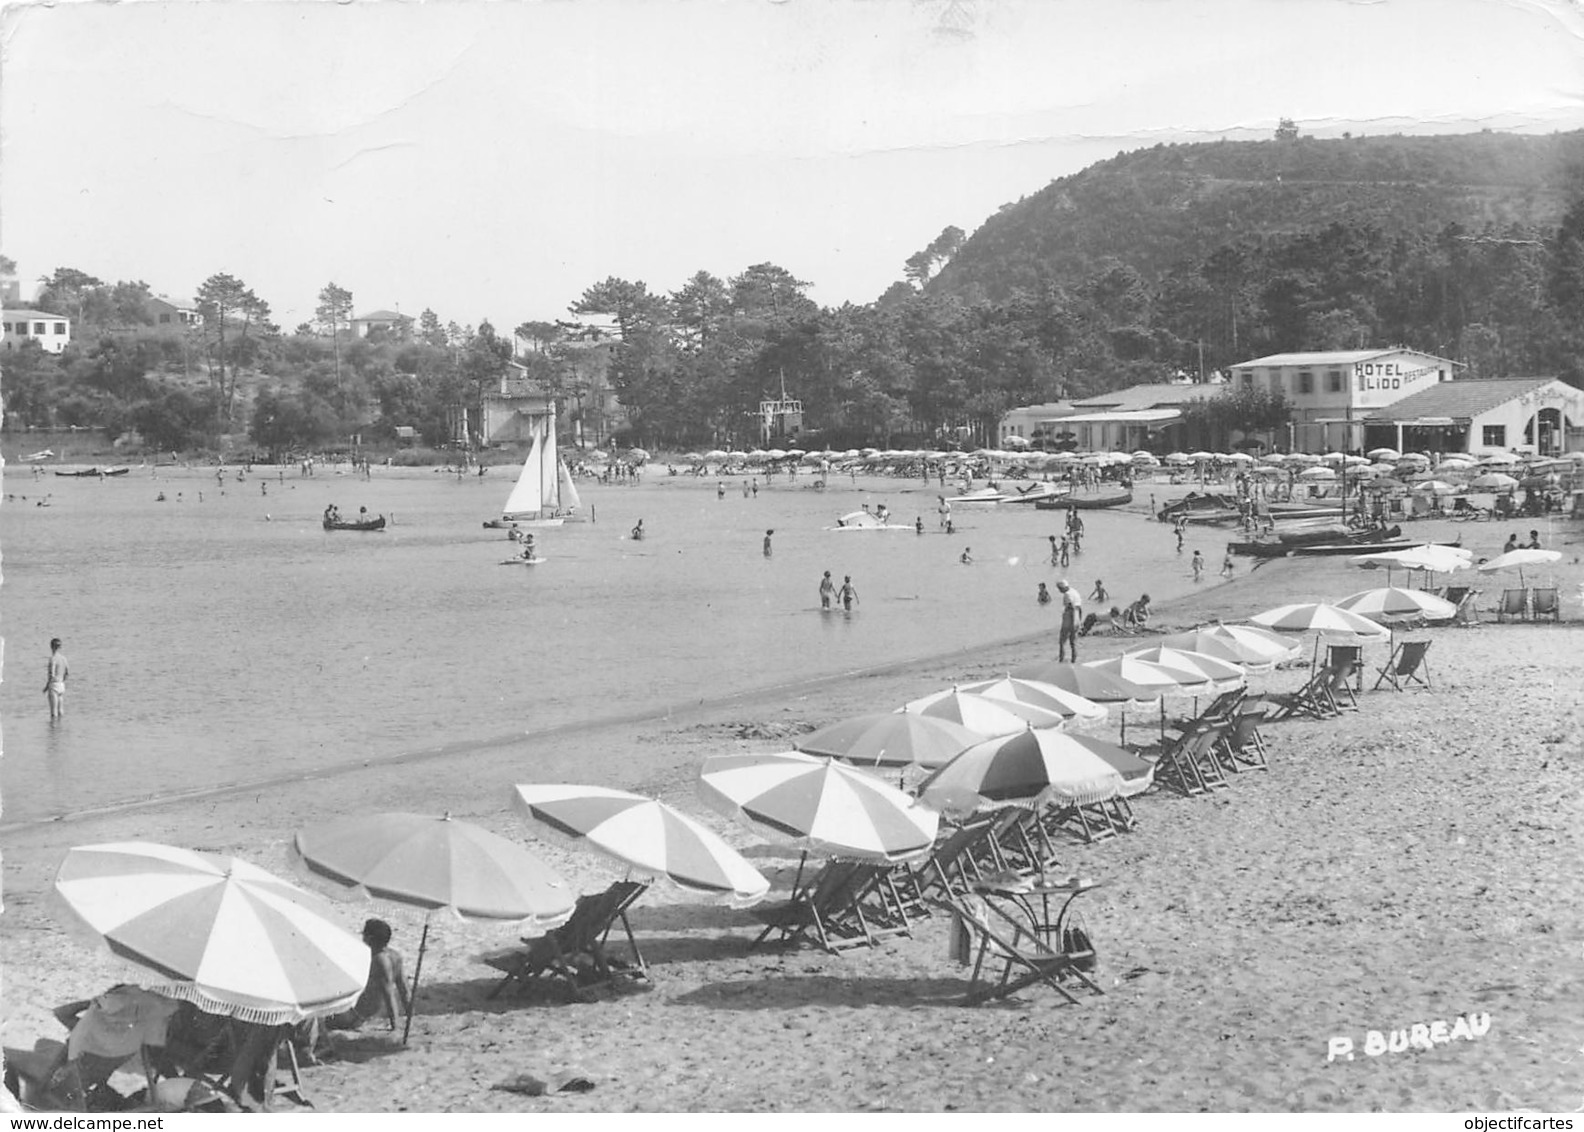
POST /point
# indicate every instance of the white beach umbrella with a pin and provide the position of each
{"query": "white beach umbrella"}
(1384, 454)
(1274, 458)
(1441, 559)
(1434, 487)
(1304, 459)
(1390, 605)
(1254, 653)
(1518, 559)
(1255, 638)
(819, 805)
(1494, 481)
(1317, 474)
(1200, 668)
(891, 739)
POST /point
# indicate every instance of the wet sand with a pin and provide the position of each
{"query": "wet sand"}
(1412, 862)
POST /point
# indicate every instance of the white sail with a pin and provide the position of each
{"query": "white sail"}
(569, 493)
(526, 498)
(549, 458)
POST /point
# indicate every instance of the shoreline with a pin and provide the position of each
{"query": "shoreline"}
(1412, 862)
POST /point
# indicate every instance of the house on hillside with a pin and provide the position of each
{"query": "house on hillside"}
(364, 324)
(504, 414)
(1033, 423)
(1533, 414)
(51, 331)
(173, 312)
(1332, 392)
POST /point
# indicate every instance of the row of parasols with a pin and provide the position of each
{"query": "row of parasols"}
(236, 939)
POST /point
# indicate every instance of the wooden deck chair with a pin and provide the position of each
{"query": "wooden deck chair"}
(576, 950)
(991, 935)
(956, 861)
(1346, 664)
(832, 908)
(1406, 666)
(1545, 603)
(1514, 603)
(1021, 841)
(1464, 597)
(1178, 766)
(1083, 823)
(1313, 699)
(1243, 741)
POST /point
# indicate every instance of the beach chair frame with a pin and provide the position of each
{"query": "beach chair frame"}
(996, 934)
(1406, 666)
(1514, 604)
(584, 935)
(845, 904)
(1545, 601)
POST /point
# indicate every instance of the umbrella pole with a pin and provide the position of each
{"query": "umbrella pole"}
(412, 997)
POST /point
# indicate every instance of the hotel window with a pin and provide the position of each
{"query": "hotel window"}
(60, 328)
(1305, 382)
(1248, 377)
(1494, 436)
(1334, 381)
(38, 328)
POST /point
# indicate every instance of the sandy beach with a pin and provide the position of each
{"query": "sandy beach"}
(1413, 862)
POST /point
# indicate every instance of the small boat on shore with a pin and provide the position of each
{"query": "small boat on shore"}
(983, 495)
(1362, 542)
(81, 473)
(375, 524)
(1087, 500)
(1034, 493)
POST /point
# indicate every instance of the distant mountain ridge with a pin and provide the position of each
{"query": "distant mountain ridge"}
(1154, 208)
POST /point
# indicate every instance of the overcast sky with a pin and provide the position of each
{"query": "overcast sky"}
(491, 160)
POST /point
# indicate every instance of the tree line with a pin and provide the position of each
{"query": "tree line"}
(921, 362)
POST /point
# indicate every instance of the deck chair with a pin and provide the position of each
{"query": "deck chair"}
(1022, 841)
(1188, 764)
(1406, 666)
(1346, 665)
(576, 950)
(1314, 699)
(1545, 603)
(958, 860)
(986, 934)
(846, 904)
(1242, 742)
(1514, 604)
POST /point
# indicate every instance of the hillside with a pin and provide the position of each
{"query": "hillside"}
(1170, 204)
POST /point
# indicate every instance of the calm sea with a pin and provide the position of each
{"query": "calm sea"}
(222, 637)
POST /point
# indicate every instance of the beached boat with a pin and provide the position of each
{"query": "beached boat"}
(983, 495)
(544, 495)
(1194, 504)
(1366, 542)
(1034, 493)
(80, 473)
(1086, 501)
(375, 524)
(521, 561)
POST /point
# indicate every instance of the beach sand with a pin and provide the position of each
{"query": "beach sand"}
(1412, 862)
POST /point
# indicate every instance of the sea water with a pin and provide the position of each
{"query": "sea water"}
(222, 637)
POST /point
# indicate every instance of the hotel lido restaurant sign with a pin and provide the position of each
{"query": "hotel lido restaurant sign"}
(1391, 377)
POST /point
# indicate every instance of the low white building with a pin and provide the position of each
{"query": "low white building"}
(51, 331)
(1033, 422)
(1533, 414)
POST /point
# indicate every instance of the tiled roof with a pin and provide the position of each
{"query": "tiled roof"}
(1459, 400)
(23, 312)
(1333, 358)
(1137, 397)
(378, 316)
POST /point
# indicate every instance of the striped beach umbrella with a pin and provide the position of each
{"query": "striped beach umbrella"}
(980, 714)
(890, 738)
(1090, 683)
(1389, 605)
(1198, 669)
(1255, 652)
(650, 838)
(234, 938)
(1033, 693)
(1322, 619)
(1036, 767)
(819, 805)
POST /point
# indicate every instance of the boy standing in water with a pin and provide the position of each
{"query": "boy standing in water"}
(827, 590)
(767, 543)
(1198, 566)
(847, 593)
(55, 680)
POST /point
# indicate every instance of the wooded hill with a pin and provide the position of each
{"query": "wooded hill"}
(1158, 209)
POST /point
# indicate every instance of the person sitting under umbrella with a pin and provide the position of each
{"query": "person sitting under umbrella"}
(385, 992)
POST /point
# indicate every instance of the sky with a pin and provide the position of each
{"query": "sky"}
(494, 159)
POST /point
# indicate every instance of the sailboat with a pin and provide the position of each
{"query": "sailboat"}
(543, 495)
